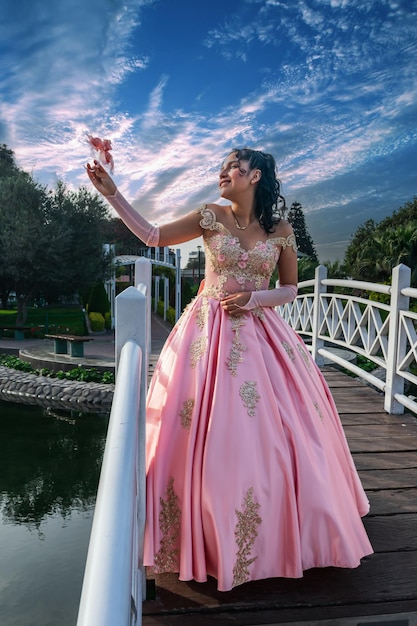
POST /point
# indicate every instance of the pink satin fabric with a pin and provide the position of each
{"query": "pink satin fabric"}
(249, 475)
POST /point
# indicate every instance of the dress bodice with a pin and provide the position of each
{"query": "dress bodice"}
(229, 266)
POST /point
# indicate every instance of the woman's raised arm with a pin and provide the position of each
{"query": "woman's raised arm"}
(178, 231)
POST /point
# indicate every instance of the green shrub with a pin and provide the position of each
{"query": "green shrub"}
(87, 375)
(107, 320)
(15, 363)
(170, 313)
(171, 316)
(98, 300)
(96, 321)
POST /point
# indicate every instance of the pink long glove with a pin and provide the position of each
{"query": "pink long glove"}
(271, 297)
(135, 222)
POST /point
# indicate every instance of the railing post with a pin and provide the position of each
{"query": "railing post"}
(166, 296)
(143, 274)
(177, 285)
(132, 306)
(316, 344)
(394, 384)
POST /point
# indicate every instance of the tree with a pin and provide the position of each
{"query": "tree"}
(377, 248)
(335, 269)
(304, 241)
(7, 168)
(83, 216)
(355, 250)
(7, 161)
(50, 242)
(27, 250)
(116, 232)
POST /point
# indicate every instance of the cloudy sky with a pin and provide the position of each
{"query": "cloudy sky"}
(329, 87)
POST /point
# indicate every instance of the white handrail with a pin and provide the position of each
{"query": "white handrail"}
(383, 332)
(104, 599)
(114, 579)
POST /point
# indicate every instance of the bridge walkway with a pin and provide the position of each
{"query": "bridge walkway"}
(383, 590)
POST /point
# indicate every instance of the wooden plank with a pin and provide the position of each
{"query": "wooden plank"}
(377, 418)
(296, 616)
(336, 377)
(391, 501)
(380, 430)
(381, 576)
(359, 393)
(389, 479)
(385, 460)
(392, 532)
(311, 615)
(350, 406)
(383, 444)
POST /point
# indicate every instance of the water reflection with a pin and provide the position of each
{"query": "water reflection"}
(49, 471)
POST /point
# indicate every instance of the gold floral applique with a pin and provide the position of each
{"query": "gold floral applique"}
(166, 559)
(201, 316)
(235, 357)
(249, 396)
(186, 413)
(304, 356)
(258, 312)
(208, 218)
(285, 242)
(317, 407)
(228, 258)
(245, 534)
(216, 291)
(197, 350)
(288, 350)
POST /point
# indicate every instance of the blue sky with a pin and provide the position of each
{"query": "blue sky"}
(329, 87)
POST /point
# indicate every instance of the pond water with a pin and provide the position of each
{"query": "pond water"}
(49, 471)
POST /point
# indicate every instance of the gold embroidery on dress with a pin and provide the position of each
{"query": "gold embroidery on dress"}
(201, 316)
(208, 220)
(258, 312)
(227, 258)
(235, 357)
(288, 350)
(285, 242)
(166, 559)
(249, 396)
(216, 291)
(197, 350)
(316, 406)
(186, 413)
(245, 534)
(304, 356)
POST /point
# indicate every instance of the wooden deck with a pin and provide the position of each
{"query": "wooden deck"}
(383, 590)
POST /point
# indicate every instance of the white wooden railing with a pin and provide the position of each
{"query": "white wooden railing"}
(347, 319)
(114, 581)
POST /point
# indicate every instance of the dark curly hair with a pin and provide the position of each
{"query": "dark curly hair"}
(268, 192)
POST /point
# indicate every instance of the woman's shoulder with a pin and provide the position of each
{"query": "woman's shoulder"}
(284, 234)
(283, 228)
(210, 214)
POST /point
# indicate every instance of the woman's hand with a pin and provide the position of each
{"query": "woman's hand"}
(100, 179)
(232, 304)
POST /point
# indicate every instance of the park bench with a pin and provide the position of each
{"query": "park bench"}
(76, 343)
(19, 331)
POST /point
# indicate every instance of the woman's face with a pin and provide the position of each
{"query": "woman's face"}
(234, 176)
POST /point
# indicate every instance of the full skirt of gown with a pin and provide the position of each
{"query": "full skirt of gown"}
(249, 475)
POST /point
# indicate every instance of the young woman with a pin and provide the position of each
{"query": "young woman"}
(249, 475)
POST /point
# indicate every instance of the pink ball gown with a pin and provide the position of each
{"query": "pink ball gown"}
(249, 475)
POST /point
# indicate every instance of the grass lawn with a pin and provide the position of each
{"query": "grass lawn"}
(68, 320)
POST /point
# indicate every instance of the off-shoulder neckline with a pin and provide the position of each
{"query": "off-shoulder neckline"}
(221, 227)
